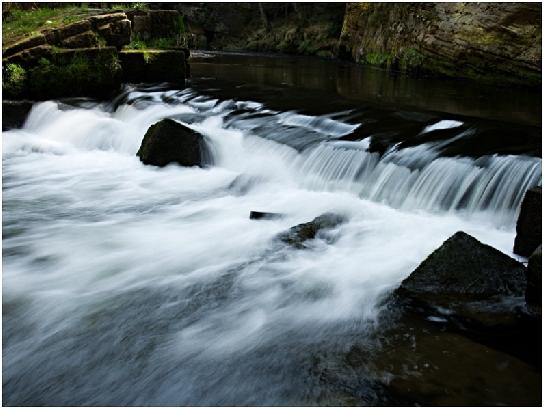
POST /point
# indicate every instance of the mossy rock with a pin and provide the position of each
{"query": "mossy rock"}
(93, 72)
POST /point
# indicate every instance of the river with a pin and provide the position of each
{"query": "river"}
(126, 284)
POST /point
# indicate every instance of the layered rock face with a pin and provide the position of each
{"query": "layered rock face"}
(84, 59)
(496, 42)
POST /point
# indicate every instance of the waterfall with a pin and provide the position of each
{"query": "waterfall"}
(413, 178)
(491, 183)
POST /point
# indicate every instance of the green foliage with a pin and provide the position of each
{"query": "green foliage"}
(378, 58)
(118, 7)
(162, 43)
(13, 80)
(80, 75)
(19, 23)
(137, 43)
(128, 6)
(411, 60)
(139, 6)
(180, 24)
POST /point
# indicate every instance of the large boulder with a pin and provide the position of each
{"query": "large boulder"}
(297, 235)
(468, 280)
(533, 277)
(171, 142)
(529, 223)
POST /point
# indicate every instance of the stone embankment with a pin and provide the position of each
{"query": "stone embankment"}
(86, 59)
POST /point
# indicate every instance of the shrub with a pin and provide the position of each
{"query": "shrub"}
(80, 75)
(13, 80)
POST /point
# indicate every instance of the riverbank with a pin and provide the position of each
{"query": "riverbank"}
(90, 57)
(494, 43)
(497, 44)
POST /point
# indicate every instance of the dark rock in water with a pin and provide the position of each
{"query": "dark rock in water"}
(14, 113)
(469, 280)
(264, 215)
(529, 223)
(423, 364)
(297, 235)
(464, 267)
(533, 277)
(169, 141)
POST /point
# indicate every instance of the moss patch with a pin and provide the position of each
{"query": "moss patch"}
(163, 43)
(74, 75)
(379, 58)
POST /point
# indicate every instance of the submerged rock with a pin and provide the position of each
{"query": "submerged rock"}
(529, 223)
(467, 279)
(169, 141)
(533, 277)
(299, 234)
(264, 215)
(422, 364)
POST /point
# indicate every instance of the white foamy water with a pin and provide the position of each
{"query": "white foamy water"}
(88, 229)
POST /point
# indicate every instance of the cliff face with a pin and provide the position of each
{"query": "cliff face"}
(496, 42)
(492, 42)
(293, 28)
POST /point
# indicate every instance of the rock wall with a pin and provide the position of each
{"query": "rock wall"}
(490, 42)
(295, 28)
(494, 42)
(84, 59)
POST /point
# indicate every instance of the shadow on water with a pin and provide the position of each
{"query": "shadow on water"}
(328, 83)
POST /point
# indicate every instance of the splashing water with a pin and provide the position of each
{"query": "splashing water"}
(162, 268)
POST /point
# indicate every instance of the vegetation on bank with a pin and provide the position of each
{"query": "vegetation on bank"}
(64, 75)
(19, 23)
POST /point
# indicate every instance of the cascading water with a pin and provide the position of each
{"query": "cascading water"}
(152, 286)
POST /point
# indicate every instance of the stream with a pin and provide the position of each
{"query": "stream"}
(126, 284)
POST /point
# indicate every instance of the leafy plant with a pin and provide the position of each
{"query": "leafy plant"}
(13, 79)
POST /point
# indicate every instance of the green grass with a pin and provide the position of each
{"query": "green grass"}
(21, 23)
(125, 6)
(157, 43)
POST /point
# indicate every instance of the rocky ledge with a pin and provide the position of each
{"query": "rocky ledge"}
(85, 59)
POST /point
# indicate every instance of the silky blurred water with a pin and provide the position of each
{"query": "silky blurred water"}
(127, 284)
